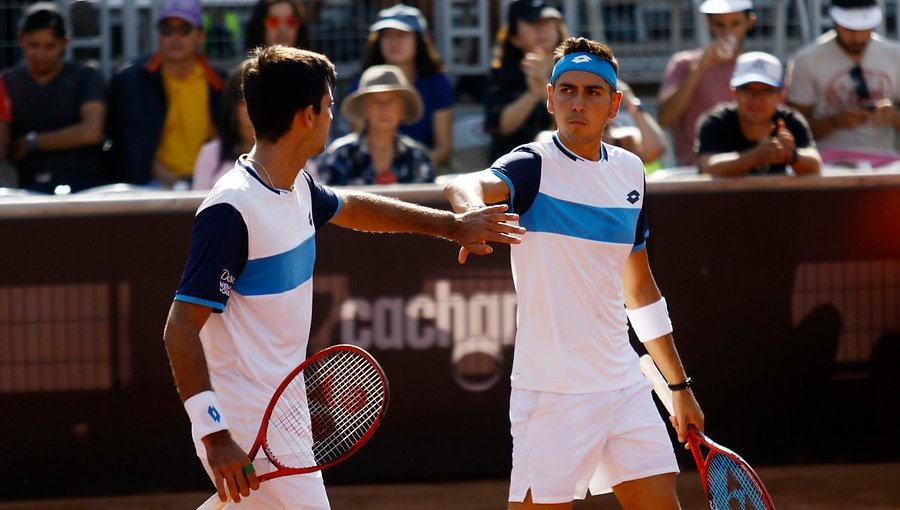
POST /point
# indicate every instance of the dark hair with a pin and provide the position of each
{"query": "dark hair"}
(279, 81)
(585, 45)
(507, 54)
(229, 130)
(428, 60)
(42, 16)
(256, 25)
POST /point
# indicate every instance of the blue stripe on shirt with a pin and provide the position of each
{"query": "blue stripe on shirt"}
(215, 305)
(592, 223)
(278, 273)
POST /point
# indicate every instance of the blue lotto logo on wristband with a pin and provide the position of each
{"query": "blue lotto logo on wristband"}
(588, 63)
(205, 413)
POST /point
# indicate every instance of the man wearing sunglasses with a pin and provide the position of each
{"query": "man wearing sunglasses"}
(164, 107)
(847, 84)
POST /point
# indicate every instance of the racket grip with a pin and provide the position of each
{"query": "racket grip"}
(213, 503)
(660, 386)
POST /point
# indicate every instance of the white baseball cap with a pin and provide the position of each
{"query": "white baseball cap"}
(855, 14)
(757, 67)
(725, 6)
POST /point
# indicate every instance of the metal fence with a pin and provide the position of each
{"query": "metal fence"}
(644, 33)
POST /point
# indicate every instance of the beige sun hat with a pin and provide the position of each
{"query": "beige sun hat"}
(384, 78)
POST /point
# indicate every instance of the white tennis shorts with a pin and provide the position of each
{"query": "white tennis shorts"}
(564, 444)
(295, 492)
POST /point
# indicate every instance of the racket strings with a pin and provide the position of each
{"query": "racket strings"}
(325, 410)
(358, 395)
(731, 487)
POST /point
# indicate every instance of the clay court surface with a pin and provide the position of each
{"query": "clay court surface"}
(830, 487)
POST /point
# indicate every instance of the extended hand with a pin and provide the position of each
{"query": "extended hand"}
(477, 227)
(687, 412)
(228, 463)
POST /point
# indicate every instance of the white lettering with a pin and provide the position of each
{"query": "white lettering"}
(424, 321)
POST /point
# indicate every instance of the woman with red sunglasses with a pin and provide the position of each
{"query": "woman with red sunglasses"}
(277, 22)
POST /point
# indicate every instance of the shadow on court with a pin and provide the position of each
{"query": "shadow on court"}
(832, 487)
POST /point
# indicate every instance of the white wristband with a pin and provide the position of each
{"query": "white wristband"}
(205, 413)
(651, 321)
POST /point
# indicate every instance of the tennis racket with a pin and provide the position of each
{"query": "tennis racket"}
(728, 481)
(322, 413)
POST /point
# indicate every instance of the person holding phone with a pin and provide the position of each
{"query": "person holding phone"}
(847, 84)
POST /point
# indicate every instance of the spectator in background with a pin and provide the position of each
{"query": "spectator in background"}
(164, 107)
(56, 109)
(847, 83)
(515, 106)
(277, 22)
(636, 131)
(399, 37)
(757, 134)
(235, 136)
(696, 80)
(380, 154)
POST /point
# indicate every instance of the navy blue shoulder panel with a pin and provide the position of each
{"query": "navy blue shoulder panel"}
(217, 256)
(521, 169)
(325, 202)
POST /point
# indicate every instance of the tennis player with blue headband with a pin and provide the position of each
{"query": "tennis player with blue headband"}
(581, 413)
(583, 61)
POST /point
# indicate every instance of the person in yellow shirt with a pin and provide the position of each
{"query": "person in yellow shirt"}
(164, 107)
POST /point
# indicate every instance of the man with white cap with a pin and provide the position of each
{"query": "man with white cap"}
(696, 80)
(847, 83)
(756, 134)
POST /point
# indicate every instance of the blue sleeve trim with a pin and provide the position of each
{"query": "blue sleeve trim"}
(512, 188)
(340, 203)
(217, 307)
(639, 247)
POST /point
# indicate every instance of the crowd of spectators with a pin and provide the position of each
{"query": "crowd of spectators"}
(172, 120)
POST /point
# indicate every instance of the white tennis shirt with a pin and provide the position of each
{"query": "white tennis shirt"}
(583, 219)
(253, 249)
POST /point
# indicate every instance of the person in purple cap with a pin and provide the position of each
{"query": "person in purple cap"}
(696, 80)
(399, 37)
(164, 107)
(847, 83)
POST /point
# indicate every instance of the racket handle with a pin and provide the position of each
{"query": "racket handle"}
(213, 503)
(660, 386)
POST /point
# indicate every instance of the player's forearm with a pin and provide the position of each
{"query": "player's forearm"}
(464, 193)
(187, 359)
(374, 213)
(665, 355)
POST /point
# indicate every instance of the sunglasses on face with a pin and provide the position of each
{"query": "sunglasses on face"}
(862, 88)
(275, 21)
(181, 29)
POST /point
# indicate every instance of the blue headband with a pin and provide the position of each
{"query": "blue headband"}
(586, 62)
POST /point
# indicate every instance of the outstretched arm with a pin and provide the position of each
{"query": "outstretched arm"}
(471, 229)
(471, 192)
(641, 292)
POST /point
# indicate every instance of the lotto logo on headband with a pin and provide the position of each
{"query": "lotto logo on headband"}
(585, 62)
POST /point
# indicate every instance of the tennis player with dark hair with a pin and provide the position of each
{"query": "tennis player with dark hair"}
(241, 316)
(581, 412)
